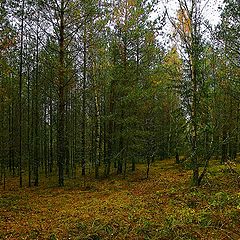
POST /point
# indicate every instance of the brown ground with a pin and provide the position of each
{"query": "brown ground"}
(165, 206)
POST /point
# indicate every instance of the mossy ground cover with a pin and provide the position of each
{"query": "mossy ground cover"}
(164, 206)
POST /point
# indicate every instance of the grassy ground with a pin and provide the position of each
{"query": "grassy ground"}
(164, 206)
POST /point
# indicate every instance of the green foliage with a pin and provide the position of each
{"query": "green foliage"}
(10, 202)
(53, 236)
(175, 225)
(205, 218)
(228, 29)
(220, 200)
(125, 100)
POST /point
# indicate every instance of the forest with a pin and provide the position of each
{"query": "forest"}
(120, 118)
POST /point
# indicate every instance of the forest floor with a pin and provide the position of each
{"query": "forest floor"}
(164, 206)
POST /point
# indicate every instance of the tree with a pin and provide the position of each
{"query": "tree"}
(65, 18)
(134, 49)
(195, 86)
(20, 90)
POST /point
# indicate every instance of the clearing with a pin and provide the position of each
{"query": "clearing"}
(165, 206)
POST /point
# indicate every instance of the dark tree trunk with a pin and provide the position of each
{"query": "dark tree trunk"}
(83, 154)
(36, 126)
(61, 100)
(20, 93)
(177, 158)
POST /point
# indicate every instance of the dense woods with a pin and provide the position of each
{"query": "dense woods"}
(96, 87)
(119, 119)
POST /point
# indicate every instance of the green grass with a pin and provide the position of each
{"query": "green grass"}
(165, 206)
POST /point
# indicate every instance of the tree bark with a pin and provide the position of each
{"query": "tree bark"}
(61, 102)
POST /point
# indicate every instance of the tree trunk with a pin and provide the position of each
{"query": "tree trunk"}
(98, 133)
(36, 126)
(20, 93)
(83, 154)
(61, 102)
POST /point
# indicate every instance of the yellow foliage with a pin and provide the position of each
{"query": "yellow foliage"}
(184, 21)
(131, 2)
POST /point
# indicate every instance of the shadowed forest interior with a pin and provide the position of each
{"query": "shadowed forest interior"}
(100, 98)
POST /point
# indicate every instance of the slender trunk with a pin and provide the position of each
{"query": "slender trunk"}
(236, 142)
(224, 145)
(98, 133)
(148, 165)
(67, 142)
(110, 131)
(4, 177)
(177, 158)
(28, 131)
(84, 103)
(75, 137)
(61, 141)
(10, 132)
(45, 141)
(195, 126)
(194, 74)
(61, 102)
(105, 136)
(36, 139)
(51, 134)
(20, 93)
